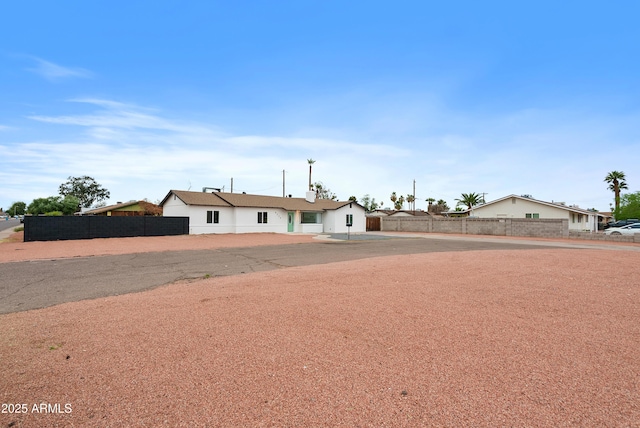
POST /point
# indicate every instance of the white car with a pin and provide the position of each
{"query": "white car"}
(629, 229)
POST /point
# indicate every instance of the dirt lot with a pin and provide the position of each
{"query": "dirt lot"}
(541, 337)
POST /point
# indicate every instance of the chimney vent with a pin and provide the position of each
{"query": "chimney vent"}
(311, 197)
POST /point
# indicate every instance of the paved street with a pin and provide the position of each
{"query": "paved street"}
(38, 284)
(7, 226)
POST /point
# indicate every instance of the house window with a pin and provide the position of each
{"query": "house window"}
(349, 219)
(311, 218)
(262, 217)
(532, 215)
(213, 216)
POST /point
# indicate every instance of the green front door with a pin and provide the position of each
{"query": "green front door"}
(290, 222)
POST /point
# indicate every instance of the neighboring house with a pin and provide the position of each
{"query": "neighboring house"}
(221, 212)
(380, 212)
(513, 206)
(409, 213)
(131, 208)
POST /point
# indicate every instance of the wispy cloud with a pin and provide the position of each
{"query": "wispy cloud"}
(55, 72)
(140, 152)
(137, 149)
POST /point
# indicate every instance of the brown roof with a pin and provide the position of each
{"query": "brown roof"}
(223, 199)
(197, 198)
(146, 206)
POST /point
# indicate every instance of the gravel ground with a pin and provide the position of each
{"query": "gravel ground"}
(545, 337)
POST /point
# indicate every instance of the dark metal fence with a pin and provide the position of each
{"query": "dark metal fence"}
(44, 228)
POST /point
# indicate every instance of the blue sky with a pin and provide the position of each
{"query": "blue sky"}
(501, 98)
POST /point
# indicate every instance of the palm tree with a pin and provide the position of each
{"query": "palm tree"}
(411, 199)
(394, 198)
(469, 200)
(311, 162)
(441, 206)
(616, 180)
(399, 202)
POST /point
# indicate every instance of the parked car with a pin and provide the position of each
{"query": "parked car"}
(629, 229)
(621, 223)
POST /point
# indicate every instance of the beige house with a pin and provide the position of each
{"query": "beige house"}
(514, 206)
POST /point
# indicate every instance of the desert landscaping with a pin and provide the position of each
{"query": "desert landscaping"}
(529, 337)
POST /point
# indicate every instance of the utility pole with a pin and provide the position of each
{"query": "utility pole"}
(283, 194)
(231, 184)
(414, 195)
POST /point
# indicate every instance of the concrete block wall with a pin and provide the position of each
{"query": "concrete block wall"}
(528, 227)
(548, 228)
(540, 228)
(602, 237)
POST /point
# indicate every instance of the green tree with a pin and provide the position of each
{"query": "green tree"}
(399, 203)
(323, 192)
(394, 198)
(86, 189)
(67, 205)
(353, 198)
(369, 203)
(629, 206)
(441, 206)
(70, 205)
(617, 181)
(44, 205)
(17, 208)
(469, 200)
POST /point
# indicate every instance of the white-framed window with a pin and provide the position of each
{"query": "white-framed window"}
(311, 218)
(262, 217)
(532, 215)
(349, 219)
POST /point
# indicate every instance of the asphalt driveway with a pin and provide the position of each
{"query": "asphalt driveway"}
(37, 284)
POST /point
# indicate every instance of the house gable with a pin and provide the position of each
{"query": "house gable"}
(513, 206)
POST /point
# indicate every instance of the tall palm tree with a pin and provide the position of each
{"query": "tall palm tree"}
(311, 162)
(617, 181)
(412, 199)
(393, 197)
(469, 199)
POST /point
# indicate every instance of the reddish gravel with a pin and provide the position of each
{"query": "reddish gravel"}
(487, 338)
(12, 251)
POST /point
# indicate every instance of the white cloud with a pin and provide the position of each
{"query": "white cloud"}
(54, 72)
(139, 152)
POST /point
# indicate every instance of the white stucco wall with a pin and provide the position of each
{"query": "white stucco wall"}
(247, 220)
(518, 209)
(335, 221)
(198, 217)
